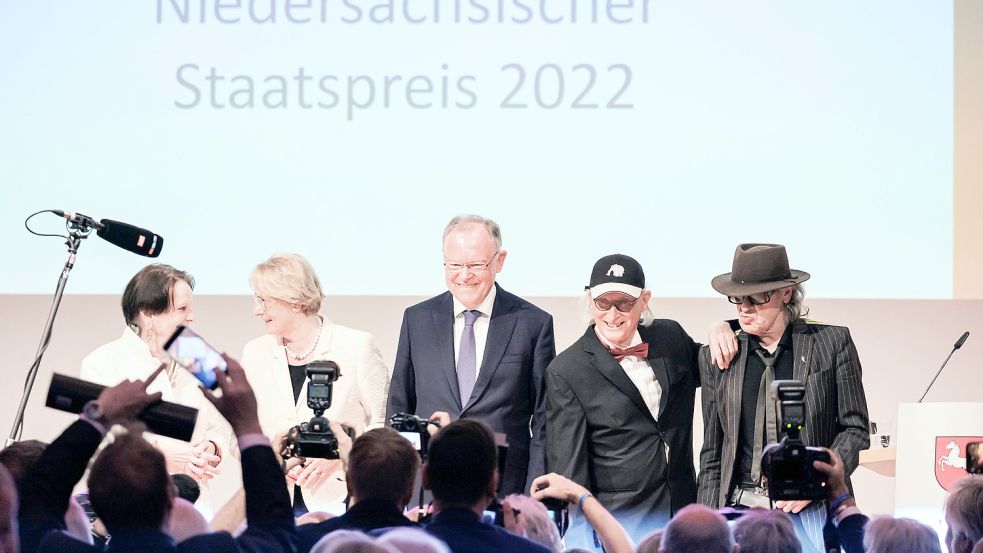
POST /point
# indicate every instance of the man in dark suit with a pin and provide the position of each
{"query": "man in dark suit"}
(380, 472)
(620, 406)
(129, 486)
(776, 343)
(477, 351)
(461, 472)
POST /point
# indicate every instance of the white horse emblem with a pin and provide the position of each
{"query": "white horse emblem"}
(616, 271)
(952, 459)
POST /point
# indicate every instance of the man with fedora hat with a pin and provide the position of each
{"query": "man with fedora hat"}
(620, 404)
(776, 343)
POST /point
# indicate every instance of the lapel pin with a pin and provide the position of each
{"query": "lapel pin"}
(803, 358)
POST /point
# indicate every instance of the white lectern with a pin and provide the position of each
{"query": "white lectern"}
(931, 456)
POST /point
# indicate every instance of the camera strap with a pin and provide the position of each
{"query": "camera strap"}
(765, 415)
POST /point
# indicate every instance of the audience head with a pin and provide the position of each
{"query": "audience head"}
(157, 300)
(766, 531)
(964, 515)
(350, 541)
(382, 465)
(412, 540)
(185, 521)
(650, 543)
(19, 457)
(697, 528)
(9, 533)
(129, 487)
(186, 487)
(473, 256)
(460, 468)
(536, 521)
(888, 534)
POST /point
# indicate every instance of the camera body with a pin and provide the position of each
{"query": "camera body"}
(315, 438)
(414, 429)
(787, 465)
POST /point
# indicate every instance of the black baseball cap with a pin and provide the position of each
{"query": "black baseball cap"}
(616, 273)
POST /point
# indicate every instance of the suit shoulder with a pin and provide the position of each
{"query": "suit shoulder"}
(351, 334)
(427, 305)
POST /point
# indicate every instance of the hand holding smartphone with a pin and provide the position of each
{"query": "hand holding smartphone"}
(192, 352)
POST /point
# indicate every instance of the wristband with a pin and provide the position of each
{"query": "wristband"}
(583, 497)
(839, 501)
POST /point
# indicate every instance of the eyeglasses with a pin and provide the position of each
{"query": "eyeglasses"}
(260, 301)
(623, 306)
(753, 299)
(470, 267)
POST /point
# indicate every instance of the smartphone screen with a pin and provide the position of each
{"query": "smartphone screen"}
(194, 354)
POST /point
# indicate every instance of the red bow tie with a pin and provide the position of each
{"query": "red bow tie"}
(641, 351)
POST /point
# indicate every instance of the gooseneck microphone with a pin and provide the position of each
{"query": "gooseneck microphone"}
(134, 239)
(959, 343)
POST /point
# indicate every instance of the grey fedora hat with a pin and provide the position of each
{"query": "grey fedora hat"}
(758, 268)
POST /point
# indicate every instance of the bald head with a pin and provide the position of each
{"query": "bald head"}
(9, 535)
(697, 528)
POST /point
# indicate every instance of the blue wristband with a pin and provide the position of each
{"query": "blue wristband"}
(839, 501)
(583, 497)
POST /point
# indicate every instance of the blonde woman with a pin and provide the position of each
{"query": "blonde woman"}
(288, 298)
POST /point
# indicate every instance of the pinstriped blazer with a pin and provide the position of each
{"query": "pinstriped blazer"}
(826, 360)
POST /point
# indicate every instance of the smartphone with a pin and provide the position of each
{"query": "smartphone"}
(194, 354)
(974, 457)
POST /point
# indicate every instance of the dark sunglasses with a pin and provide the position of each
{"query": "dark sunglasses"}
(753, 299)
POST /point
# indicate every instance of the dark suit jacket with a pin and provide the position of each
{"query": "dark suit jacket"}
(464, 532)
(826, 360)
(46, 490)
(365, 516)
(509, 390)
(601, 434)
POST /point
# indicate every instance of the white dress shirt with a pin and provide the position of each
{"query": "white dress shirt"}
(642, 375)
(480, 329)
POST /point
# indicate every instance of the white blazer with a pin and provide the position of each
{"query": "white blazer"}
(358, 399)
(129, 357)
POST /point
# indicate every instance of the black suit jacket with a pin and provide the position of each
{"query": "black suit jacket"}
(601, 434)
(365, 516)
(48, 486)
(509, 394)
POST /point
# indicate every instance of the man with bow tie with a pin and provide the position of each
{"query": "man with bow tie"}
(620, 404)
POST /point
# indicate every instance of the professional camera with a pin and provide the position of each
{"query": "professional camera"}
(787, 465)
(414, 429)
(315, 438)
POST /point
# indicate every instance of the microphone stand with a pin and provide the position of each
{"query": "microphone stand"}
(76, 233)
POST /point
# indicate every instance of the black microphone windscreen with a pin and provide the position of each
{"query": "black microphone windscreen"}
(961, 340)
(135, 239)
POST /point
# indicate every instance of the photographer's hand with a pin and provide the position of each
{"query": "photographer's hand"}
(554, 486)
(344, 441)
(237, 402)
(442, 418)
(792, 506)
(835, 474)
(126, 400)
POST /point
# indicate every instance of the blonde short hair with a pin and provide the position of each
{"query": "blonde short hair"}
(289, 277)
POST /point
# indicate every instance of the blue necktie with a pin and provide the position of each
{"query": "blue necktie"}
(467, 364)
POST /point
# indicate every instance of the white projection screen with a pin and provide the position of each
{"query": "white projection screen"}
(352, 130)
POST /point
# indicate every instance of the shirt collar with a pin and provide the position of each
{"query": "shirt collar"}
(785, 341)
(485, 308)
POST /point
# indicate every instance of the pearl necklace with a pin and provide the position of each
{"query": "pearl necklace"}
(298, 357)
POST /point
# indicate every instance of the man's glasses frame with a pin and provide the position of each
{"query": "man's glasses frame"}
(624, 306)
(471, 267)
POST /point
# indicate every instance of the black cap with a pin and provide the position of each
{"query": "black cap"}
(617, 273)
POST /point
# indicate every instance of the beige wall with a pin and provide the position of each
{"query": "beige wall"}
(967, 194)
(901, 345)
